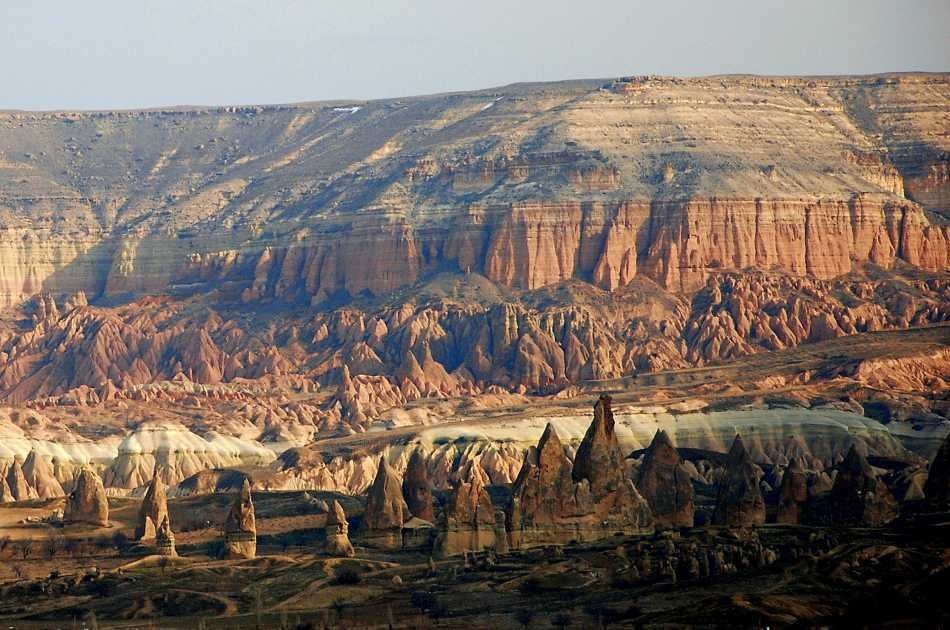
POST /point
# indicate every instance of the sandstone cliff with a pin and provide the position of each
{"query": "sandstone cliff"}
(660, 178)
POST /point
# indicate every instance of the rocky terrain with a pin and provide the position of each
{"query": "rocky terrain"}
(558, 342)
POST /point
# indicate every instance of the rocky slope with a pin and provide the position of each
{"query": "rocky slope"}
(276, 275)
(528, 185)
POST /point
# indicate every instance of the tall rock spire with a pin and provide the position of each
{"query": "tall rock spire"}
(599, 459)
(385, 507)
(417, 487)
(338, 533)
(793, 494)
(240, 528)
(858, 496)
(87, 503)
(937, 488)
(739, 502)
(154, 509)
(665, 484)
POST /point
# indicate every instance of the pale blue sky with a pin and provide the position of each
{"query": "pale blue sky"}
(75, 54)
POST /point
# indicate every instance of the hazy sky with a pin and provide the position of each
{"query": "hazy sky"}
(72, 54)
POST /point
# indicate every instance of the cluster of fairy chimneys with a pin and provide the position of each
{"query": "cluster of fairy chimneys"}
(31, 479)
(591, 495)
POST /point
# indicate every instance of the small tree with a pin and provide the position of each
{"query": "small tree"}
(18, 571)
(25, 548)
(53, 546)
(120, 541)
(348, 576)
(562, 620)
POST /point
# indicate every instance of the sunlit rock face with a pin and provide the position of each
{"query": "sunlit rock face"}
(306, 272)
(568, 199)
(177, 453)
(337, 533)
(240, 528)
(153, 511)
(87, 503)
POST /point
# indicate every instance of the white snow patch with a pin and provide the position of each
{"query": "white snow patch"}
(492, 104)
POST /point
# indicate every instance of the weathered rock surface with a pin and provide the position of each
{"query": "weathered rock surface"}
(555, 499)
(417, 487)
(165, 540)
(665, 483)
(385, 507)
(338, 533)
(87, 503)
(723, 173)
(739, 501)
(599, 460)
(20, 489)
(937, 488)
(240, 528)
(153, 511)
(650, 195)
(859, 497)
(39, 474)
(793, 494)
(468, 521)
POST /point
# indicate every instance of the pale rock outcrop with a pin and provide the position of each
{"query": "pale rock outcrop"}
(337, 532)
(385, 507)
(20, 489)
(39, 474)
(6, 496)
(665, 483)
(240, 528)
(87, 503)
(154, 509)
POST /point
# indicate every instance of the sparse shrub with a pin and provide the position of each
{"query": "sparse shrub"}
(348, 576)
(25, 548)
(120, 541)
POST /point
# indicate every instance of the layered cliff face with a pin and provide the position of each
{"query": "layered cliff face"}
(291, 273)
(529, 185)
